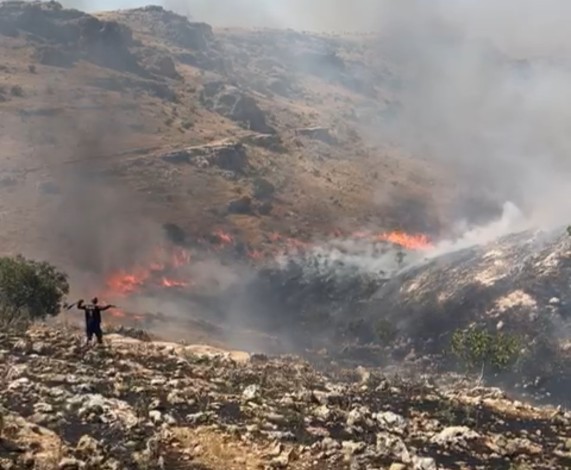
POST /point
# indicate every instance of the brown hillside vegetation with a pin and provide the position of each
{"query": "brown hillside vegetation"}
(117, 96)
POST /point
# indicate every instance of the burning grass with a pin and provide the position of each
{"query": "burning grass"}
(167, 267)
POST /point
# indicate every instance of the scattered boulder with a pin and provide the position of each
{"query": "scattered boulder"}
(163, 65)
(271, 142)
(266, 208)
(231, 102)
(69, 463)
(229, 156)
(263, 189)
(175, 234)
(242, 205)
(322, 134)
(455, 436)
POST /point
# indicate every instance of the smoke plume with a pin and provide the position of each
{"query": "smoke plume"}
(477, 87)
(481, 86)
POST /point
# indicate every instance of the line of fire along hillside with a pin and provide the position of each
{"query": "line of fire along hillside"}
(164, 269)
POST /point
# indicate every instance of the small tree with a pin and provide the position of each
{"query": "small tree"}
(476, 347)
(386, 331)
(29, 290)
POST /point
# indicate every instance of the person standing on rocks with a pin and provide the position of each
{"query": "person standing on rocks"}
(93, 319)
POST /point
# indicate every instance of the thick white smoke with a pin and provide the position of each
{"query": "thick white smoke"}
(482, 85)
(484, 99)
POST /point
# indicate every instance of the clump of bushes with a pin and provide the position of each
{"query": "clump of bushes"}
(29, 290)
(480, 348)
(385, 331)
(263, 189)
(17, 90)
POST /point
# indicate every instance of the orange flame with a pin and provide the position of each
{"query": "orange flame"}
(223, 237)
(412, 242)
(255, 255)
(409, 241)
(165, 263)
(123, 283)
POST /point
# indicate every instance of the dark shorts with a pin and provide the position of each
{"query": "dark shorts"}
(94, 328)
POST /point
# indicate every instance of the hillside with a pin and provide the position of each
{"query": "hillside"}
(243, 191)
(141, 404)
(144, 118)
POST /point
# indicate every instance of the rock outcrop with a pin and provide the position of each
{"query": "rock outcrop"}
(230, 156)
(235, 104)
(322, 134)
(176, 29)
(65, 36)
(136, 404)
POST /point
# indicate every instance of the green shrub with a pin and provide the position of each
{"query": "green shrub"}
(476, 347)
(29, 290)
(263, 189)
(385, 331)
(17, 90)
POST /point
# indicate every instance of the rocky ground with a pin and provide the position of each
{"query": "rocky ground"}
(142, 404)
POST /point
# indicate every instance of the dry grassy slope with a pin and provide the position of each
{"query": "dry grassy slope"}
(68, 115)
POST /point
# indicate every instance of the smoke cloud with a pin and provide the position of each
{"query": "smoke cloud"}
(481, 89)
(482, 86)
(484, 97)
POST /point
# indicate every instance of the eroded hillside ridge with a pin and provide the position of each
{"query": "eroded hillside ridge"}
(163, 405)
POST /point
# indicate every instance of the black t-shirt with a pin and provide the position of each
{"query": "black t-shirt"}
(92, 313)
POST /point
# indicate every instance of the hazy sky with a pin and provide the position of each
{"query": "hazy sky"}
(530, 21)
(298, 14)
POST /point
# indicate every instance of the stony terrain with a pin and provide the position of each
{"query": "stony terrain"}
(141, 404)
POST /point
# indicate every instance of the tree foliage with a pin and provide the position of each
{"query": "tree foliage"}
(30, 289)
(386, 331)
(476, 347)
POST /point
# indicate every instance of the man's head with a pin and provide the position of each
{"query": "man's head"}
(94, 300)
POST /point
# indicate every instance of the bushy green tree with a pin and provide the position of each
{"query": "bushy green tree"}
(478, 347)
(29, 290)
